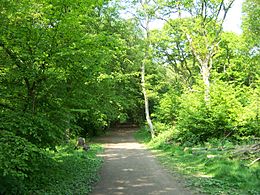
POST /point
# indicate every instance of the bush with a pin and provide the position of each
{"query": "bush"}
(72, 172)
(225, 115)
(194, 121)
(41, 129)
(26, 169)
(167, 110)
(160, 127)
(17, 155)
(249, 117)
(18, 159)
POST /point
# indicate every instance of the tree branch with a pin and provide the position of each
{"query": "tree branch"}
(12, 55)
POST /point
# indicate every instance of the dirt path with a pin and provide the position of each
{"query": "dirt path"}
(130, 169)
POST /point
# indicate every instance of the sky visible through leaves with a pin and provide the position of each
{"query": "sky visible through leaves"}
(232, 22)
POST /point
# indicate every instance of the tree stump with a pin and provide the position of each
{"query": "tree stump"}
(82, 144)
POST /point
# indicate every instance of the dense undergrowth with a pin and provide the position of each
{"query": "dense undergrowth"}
(212, 171)
(65, 171)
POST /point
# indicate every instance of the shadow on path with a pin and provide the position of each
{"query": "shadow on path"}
(130, 169)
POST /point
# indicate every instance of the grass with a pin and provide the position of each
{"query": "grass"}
(70, 172)
(212, 172)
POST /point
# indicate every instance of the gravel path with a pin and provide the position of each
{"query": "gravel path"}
(129, 169)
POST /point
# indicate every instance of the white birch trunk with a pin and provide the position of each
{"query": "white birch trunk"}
(146, 57)
(146, 101)
(205, 72)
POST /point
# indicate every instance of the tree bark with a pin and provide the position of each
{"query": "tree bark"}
(146, 102)
(205, 66)
(146, 57)
(205, 72)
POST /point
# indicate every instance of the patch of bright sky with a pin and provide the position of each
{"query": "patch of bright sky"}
(232, 23)
(234, 18)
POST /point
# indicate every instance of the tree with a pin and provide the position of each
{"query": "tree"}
(251, 24)
(251, 34)
(202, 30)
(172, 52)
(65, 70)
(143, 12)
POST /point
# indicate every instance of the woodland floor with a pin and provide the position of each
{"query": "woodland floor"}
(131, 169)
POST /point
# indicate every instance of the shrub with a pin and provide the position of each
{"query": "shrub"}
(249, 117)
(194, 123)
(40, 129)
(18, 158)
(167, 110)
(199, 121)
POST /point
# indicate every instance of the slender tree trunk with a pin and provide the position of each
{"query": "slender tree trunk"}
(31, 97)
(205, 72)
(69, 89)
(146, 58)
(205, 67)
(146, 102)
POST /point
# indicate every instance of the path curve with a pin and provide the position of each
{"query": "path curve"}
(129, 169)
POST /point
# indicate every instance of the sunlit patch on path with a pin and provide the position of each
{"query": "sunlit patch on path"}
(130, 169)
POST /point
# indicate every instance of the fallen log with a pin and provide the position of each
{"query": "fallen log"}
(248, 150)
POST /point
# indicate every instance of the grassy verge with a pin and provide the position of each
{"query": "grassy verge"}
(69, 172)
(211, 171)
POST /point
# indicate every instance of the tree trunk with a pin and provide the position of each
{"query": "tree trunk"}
(205, 72)
(146, 57)
(31, 96)
(146, 102)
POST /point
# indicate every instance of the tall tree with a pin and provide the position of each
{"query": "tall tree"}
(143, 12)
(251, 24)
(61, 64)
(202, 30)
(145, 25)
(210, 16)
(172, 51)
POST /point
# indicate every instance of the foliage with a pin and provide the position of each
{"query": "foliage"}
(41, 131)
(251, 25)
(66, 171)
(234, 61)
(67, 69)
(172, 50)
(74, 172)
(226, 116)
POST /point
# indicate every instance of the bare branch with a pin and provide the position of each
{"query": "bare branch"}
(220, 8)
